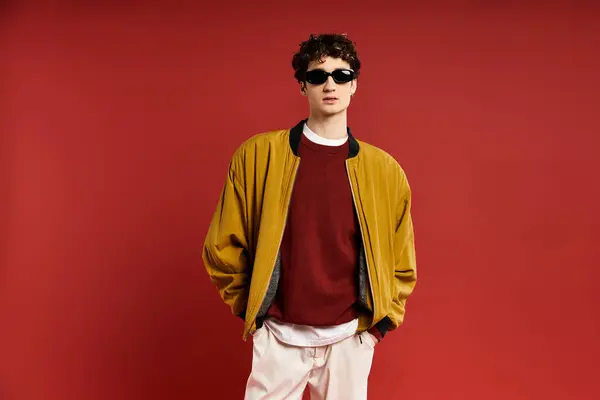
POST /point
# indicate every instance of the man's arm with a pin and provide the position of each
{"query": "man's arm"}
(225, 252)
(405, 270)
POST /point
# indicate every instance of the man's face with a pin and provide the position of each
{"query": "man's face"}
(329, 98)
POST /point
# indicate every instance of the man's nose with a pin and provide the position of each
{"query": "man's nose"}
(329, 84)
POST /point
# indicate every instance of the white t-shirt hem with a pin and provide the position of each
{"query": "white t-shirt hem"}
(310, 336)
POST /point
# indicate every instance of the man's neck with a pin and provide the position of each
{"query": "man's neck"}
(330, 127)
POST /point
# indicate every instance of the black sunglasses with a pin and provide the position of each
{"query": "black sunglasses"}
(319, 77)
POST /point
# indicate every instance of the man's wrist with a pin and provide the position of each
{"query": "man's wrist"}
(375, 332)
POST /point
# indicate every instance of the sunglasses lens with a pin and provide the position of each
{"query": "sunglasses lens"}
(316, 77)
(342, 75)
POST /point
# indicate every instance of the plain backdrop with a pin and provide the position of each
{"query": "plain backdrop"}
(117, 122)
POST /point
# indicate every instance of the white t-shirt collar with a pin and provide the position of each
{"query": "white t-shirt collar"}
(313, 137)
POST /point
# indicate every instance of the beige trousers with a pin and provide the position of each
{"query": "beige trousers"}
(335, 372)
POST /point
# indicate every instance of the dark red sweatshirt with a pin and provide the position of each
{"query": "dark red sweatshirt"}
(319, 251)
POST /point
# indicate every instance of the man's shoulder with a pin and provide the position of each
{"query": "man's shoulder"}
(379, 156)
(259, 147)
(383, 164)
(264, 139)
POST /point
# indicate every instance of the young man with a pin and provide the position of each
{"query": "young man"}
(312, 240)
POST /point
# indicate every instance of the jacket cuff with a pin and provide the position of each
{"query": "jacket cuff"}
(382, 326)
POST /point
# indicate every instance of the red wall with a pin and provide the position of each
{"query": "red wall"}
(117, 125)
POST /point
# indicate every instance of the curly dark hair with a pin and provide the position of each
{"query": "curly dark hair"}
(334, 45)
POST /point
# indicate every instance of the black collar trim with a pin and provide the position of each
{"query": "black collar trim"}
(296, 135)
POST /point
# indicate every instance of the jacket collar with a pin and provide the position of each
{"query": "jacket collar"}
(296, 135)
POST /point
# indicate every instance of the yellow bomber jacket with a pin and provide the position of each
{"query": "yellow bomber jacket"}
(241, 249)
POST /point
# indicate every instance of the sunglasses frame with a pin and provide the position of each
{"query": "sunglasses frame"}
(328, 74)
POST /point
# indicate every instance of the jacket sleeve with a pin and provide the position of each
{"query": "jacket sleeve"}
(405, 270)
(225, 252)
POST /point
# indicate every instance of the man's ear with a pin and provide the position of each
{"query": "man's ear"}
(353, 87)
(303, 88)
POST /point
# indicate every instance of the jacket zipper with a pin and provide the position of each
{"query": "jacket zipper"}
(281, 237)
(362, 237)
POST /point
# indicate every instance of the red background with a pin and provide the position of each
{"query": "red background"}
(117, 124)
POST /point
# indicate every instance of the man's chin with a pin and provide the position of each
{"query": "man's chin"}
(330, 112)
